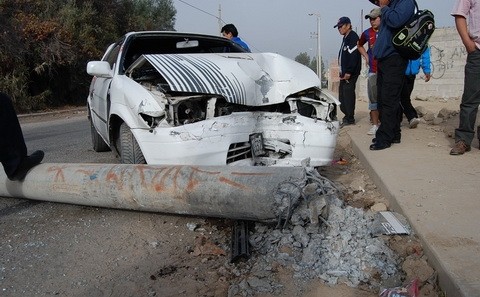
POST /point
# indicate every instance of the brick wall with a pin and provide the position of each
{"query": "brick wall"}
(448, 56)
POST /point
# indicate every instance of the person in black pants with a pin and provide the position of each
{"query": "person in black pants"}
(13, 151)
(350, 65)
(413, 68)
(390, 71)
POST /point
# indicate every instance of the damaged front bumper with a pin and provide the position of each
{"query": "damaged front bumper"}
(287, 140)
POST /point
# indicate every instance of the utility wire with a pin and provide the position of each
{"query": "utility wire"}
(206, 12)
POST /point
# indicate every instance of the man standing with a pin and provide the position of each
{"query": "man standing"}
(229, 31)
(391, 70)
(350, 64)
(470, 35)
(13, 151)
(413, 68)
(369, 37)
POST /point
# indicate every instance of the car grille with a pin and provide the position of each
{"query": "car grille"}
(238, 151)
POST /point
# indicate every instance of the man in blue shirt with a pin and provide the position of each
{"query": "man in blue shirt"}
(230, 31)
(391, 70)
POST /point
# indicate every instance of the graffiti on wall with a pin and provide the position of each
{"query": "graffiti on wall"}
(441, 61)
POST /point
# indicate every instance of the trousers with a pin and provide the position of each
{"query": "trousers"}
(347, 98)
(12, 143)
(390, 78)
(406, 101)
(470, 99)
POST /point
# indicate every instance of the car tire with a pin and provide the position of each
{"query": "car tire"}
(97, 141)
(130, 152)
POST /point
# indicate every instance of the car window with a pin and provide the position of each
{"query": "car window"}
(111, 57)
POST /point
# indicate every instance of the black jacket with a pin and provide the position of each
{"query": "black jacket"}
(349, 57)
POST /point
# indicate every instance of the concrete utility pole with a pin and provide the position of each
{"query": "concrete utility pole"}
(244, 193)
(319, 54)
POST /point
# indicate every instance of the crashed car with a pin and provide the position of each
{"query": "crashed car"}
(192, 99)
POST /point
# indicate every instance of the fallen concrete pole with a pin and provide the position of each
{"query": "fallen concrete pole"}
(249, 193)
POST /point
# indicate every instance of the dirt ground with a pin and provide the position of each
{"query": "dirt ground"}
(66, 250)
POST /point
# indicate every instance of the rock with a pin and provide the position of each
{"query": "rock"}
(429, 116)
(378, 207)
(427, 290)
(445, 113)
(259, 285)
(416, 267)
(437, 121)
(421, 110)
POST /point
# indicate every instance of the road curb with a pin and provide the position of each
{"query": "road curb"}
(54, 112)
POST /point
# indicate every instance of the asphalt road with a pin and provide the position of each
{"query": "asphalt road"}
(65, 138)
(70, 250)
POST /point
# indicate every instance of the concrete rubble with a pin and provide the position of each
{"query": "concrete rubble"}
(339, 248)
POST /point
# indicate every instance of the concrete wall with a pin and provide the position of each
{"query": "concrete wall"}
(448, 56)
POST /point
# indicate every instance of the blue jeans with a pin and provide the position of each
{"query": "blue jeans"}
(470, 99)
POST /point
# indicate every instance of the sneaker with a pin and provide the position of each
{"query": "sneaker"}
(413, 123)
(372, 130)
(460, 148)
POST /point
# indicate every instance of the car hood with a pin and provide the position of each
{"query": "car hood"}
(245, 78)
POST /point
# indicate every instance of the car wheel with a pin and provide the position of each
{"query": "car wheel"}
(98, 144)
(129, 149)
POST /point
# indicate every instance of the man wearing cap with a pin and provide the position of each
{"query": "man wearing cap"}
(350, 64)
(369, 37)
(390, 70)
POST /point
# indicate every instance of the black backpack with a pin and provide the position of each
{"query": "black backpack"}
(411, 40)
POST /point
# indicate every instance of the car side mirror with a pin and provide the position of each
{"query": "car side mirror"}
(100, 69)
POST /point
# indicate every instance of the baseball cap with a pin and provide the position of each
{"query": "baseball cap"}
(341, 21)
(374, 13)
(374, 2)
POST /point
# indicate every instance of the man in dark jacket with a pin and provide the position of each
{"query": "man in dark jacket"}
(350, 64)
(13, 151)
(390, 71)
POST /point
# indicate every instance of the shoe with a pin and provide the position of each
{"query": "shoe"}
(379, 146)
(460, 148)
(395, 140)
(28, 163)
(372, 130)
(343, 124)
(413, 123)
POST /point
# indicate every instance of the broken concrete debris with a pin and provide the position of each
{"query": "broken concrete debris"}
(338, 248)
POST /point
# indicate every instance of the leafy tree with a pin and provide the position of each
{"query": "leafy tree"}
(303, 58)
(45, 44)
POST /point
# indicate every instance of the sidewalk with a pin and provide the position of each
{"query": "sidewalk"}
(438, 193)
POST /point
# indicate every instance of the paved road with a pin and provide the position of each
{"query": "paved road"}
(65, 138)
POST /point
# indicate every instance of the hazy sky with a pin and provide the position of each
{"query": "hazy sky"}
(284, 26)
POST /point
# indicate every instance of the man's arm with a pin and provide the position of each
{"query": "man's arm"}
(363, 52)
(462, 29)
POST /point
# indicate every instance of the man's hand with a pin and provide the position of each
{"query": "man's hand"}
(346, 76)
(427, 77)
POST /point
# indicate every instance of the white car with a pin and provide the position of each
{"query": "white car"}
(189, 99)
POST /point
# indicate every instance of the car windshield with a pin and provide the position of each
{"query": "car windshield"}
(176, 44)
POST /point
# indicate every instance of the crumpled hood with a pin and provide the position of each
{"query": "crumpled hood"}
(243, 78)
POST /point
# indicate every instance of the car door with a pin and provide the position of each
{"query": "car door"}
(100, 101)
